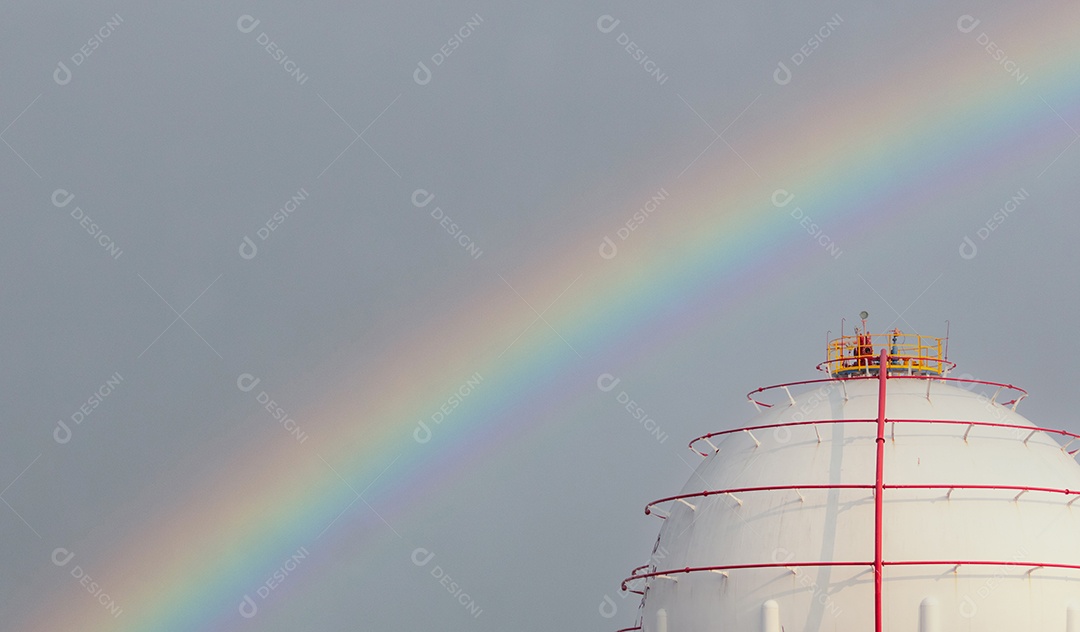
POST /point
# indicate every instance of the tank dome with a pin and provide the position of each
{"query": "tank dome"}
(897, 500)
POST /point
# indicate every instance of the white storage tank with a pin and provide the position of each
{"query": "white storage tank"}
(900, 500)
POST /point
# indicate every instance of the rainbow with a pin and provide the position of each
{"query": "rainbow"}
(939, 127)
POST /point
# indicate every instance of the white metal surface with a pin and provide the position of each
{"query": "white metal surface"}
(811, 525)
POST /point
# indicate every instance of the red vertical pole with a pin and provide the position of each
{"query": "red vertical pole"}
(879, 486)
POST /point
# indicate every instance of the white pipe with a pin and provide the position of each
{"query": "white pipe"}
(770, 616)
(1072, 618)
(930, 615)
(661, 620)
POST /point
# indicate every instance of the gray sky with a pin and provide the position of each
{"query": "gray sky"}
(179, 134)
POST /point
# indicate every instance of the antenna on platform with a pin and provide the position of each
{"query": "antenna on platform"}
(947, 326)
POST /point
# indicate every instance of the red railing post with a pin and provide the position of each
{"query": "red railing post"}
(879, 488)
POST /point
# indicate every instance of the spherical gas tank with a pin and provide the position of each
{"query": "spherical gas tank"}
(781, 527)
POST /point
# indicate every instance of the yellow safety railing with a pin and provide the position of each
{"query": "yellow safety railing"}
(912, 354)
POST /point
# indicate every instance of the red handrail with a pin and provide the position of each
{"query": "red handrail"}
(769, 488)
(750, 395)
(762, 389)
(1033, 565)
(869, 564)
(730, 567)
(770, 426)
(739, 490)
(956, 422)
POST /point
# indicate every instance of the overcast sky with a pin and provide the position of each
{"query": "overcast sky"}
(147, 150)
